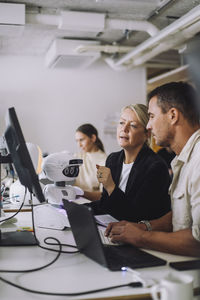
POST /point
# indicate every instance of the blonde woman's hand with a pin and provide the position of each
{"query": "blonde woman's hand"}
(104, 176)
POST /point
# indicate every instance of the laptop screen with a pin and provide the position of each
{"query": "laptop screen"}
(85, 231)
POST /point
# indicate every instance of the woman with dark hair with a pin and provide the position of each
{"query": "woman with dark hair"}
(92, 153)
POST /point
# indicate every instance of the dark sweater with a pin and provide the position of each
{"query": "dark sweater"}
(146, 195)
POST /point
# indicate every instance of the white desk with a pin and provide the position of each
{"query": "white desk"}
(72, 272)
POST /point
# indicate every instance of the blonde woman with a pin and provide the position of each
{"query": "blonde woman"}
(135, 179)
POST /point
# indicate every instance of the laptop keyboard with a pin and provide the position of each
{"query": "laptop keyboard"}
(106, 240)
(128, 256)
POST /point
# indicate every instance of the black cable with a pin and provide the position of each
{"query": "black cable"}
(62, 251)
(67, 245)
(17, 211)
(38, 244)
(50, 249)
(130, 284)
(45, 240)
(39, 268)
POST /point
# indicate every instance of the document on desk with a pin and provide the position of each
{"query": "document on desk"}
(47, 216)
(104, 220)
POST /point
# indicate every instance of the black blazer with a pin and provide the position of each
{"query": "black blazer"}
(146, 195)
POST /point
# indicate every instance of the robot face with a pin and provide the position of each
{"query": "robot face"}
(71, 171)
(59, 167)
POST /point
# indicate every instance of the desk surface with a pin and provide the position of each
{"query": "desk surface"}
(72, 272)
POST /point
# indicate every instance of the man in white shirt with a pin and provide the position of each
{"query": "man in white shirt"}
(174, 112)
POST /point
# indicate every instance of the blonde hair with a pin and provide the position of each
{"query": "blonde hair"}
(141, 112)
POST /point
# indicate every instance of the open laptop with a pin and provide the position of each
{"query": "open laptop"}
(87, 238)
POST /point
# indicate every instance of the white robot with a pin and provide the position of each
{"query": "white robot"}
(61, 169)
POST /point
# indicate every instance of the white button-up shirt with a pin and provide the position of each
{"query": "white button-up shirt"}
(185, 187)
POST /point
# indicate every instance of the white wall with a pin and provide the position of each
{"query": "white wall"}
(51, 104)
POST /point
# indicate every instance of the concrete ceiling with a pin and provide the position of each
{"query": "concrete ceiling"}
(35, 38)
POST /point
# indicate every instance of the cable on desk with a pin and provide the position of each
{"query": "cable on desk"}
(42, 267)
(136, 276)
(59, 251)
(48, 243)
(39, 268)
(67, 245)
(38, 243)
(17, 211)
(130, 284)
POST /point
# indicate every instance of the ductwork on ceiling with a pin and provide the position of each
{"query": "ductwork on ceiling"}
(62, 54)
(92, 22)
(170, 37)
(12, 19)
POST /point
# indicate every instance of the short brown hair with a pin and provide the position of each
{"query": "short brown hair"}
(180, 95)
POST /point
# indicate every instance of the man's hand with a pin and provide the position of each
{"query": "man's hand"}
(104, 176)
(180, 242)
(125, 232)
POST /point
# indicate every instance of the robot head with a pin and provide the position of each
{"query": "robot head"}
(61, 166)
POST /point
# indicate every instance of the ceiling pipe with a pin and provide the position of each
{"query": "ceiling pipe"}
(163, 4)
(115, 24)
(108, 24)
(119, 24)
(162, 64)
(177, 74)
(187, 20)
(182, 69)
(184, 35)
(111, 49)
(111, 64)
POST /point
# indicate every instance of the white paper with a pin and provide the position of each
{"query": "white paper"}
(105, 219)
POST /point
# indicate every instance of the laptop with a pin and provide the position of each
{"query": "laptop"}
(87, 238)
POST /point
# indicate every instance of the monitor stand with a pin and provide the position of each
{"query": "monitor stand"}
(14, 238)
(17, 238)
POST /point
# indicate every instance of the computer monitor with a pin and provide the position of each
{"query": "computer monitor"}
(20, 155)
(25, 170)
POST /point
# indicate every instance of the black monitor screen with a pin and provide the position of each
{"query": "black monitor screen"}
(20, 155)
